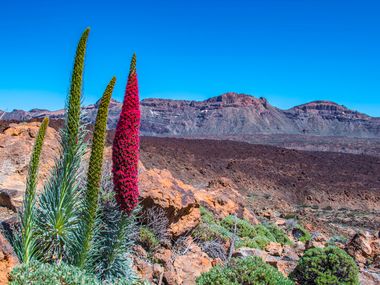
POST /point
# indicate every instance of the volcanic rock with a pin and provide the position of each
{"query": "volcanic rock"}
(8, 259)
(159, 188)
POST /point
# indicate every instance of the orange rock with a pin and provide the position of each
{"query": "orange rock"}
(191, 265)
(16, 144)
(274, 248)
(163, 255)
(143, 268)
(177, 199)
(8, 259)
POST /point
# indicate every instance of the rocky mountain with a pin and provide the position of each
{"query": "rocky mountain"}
(232, 114)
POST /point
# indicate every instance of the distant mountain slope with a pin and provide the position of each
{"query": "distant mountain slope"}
(233, 114)
(328, 118)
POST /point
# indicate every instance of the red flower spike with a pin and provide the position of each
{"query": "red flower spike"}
(125, 149)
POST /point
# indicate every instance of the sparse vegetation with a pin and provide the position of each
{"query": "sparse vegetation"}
(250, 271)
(156, 220)
(257, 236)
(326, 266)
(279, 235)
(247, 235)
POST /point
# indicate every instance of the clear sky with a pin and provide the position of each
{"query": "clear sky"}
(289, 51)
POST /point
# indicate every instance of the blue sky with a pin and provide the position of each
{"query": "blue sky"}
(289, 51)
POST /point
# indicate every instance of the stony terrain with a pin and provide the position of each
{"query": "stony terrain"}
(297, 177)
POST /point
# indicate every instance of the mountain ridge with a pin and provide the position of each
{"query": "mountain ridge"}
(231, 114)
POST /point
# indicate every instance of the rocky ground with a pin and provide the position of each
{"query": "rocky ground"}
(333, 196)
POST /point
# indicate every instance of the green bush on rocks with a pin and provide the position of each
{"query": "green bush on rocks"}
(326, 266)
(249, 271)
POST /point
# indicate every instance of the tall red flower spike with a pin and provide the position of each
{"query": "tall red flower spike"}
(125, 149)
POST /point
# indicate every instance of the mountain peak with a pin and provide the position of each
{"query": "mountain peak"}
(237, 99)
(323, 106)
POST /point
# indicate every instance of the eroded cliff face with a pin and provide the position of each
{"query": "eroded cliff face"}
(232, 114)
(327, 118)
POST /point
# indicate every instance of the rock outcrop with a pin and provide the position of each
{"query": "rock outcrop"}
(16, 144)
(159, 188)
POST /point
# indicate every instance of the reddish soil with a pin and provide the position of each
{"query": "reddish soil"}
(298, 177)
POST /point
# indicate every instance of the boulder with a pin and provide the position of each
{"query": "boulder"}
(363, 247)
(189, 266)
(223, 200)
(247, 251)
(274, 248)
(11, 199)
(16, 144)
(284, 264)
(159, 188)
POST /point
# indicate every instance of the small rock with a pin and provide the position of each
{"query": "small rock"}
(369, 277)
(274, 248)
(11, 199)
(290, 253)
(163, 255)
(313, 244)
(143, 269)
(247, 251)
(140, 251)
(158, 270)
(191, 265)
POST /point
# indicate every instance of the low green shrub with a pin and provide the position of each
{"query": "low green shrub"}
(259, 242)
(210, 232)
(37, 273)
(206, 216)
(326, 266)
(248, 235)
(279, 235)
(243, 227)
(263, 231)
(301, 233)
(337, 239)
(209, 228)
(147, 238)
(250, 270)
(257, 236)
